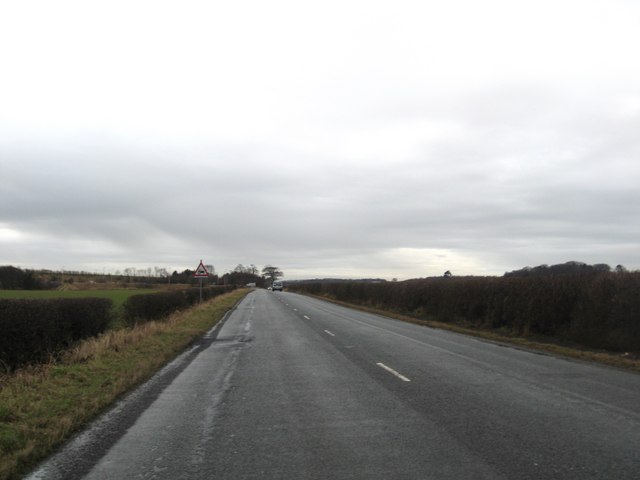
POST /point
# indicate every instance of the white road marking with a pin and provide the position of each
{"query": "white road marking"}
(393, 372)
(429, 345)
(307, 317)
(329, 333)
(295, 309)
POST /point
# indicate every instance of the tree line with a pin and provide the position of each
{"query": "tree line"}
(13, 278)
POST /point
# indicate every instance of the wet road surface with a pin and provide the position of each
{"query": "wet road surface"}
(295, 388)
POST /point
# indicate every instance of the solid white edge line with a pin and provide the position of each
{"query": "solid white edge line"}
(329, 333)
(393, 372)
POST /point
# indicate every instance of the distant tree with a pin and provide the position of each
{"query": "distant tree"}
(621, 269)
(249, 270)
(448, 273)
(568, 268)
(159, 272)
(184, 277)
(242, 275)
(12, 278)
(271, 272)
(30, 281)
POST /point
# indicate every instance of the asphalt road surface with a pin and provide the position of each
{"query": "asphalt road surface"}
(295, 388)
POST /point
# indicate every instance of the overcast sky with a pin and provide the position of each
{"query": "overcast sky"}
(334, 138)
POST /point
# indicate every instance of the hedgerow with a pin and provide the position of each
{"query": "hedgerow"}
(153, 306)
(596, 309)
(35, 330)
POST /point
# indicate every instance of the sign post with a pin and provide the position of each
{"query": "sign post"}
(201, 272)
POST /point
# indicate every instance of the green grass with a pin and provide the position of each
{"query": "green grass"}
(118, 296)
(42, 406)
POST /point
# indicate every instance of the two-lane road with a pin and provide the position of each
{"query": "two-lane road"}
(295, 388)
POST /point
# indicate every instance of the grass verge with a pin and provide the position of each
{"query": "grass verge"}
(628, 361)
(42, 406)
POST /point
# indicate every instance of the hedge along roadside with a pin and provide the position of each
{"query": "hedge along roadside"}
(35, 330)
(596, 310)
(152, 306)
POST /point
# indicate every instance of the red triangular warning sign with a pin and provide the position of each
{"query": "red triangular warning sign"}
(201, 271)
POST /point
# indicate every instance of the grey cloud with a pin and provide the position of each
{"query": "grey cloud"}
(530, 177)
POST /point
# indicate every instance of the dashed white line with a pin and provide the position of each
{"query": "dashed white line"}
(306, 317)
(393, 372)
(329, 333)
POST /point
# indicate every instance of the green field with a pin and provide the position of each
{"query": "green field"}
(118, 296)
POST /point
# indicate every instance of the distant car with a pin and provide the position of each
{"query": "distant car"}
(277, 285)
